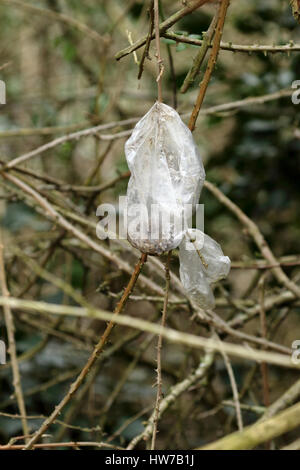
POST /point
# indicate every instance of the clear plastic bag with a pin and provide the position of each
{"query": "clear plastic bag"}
(202, 263)
(167, 176)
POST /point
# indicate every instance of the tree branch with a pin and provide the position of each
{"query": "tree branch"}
(224, 4)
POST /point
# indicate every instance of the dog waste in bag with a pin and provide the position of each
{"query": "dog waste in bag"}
(202, 263)
(167, 176)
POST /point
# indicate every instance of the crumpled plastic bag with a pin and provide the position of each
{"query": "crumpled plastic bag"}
(166, 175)
(202, 263)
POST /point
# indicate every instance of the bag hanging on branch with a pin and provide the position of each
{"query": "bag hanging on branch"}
(202, 263)
(167, 176)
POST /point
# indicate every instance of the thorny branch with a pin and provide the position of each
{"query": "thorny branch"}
(224, 4)
(97, 350)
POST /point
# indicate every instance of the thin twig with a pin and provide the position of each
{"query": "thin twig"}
(57, 421)
(159, 347)
(264, 365)
(171, 63)
(228, 46)
(234, 390)
(159, 59)
(224, 4)
(148, 41)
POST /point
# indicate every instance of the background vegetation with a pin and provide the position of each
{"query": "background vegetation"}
(58, 64)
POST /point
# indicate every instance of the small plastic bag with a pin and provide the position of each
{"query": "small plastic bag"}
(202, 263)
(167, 176)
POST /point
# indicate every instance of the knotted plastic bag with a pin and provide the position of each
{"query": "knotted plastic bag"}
(202, 263)
(167, 176)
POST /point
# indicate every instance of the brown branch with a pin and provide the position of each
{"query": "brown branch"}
(224, 4)
(97, 350)
(57, 421)
(171, 64)
(159, 59)
(54, 445)
(148, 41)
(159, 347)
